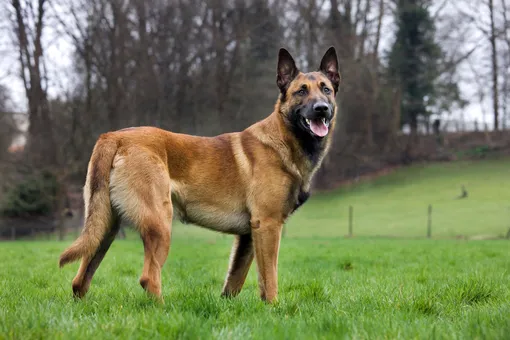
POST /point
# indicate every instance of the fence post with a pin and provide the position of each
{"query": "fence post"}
(350, 220)
(429, 222)
(508, 234)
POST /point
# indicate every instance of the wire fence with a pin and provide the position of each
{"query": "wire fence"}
(449, 125)
(432, 221)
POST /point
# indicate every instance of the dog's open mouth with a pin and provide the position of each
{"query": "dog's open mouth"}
(318, 126)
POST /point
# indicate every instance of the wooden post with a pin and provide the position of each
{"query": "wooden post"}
(508, 234)
(429, 222)
(350, 220)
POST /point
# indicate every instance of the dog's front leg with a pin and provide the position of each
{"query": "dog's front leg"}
(266, 235)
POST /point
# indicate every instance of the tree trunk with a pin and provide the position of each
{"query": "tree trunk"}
(495, 95)
(506, 83)
(378, 33)
(413, 124)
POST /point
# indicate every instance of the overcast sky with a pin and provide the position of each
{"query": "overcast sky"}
(58, 49)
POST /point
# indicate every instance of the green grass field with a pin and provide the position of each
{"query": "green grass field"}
(396, 205)
(330, 286)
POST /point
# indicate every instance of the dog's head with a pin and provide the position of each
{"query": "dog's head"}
(307, 100)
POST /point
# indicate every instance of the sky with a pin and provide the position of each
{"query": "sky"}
(59, 50)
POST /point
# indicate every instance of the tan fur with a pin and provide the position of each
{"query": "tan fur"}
(244, 183)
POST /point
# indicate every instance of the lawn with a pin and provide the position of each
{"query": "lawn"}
(330, 287)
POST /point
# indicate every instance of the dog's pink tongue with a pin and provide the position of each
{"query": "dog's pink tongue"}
(318, 127)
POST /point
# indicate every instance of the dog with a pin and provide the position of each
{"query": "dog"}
(245, 183)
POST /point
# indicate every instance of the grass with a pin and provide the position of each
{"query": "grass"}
(330, 287)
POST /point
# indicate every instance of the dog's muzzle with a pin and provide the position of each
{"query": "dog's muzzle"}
(319, 118)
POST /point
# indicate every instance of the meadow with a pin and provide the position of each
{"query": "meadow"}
(396, 205)
(331, 287)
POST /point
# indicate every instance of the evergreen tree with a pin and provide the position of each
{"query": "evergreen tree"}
(264, 38)
(413, 60)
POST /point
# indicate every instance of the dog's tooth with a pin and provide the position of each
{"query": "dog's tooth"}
(307, 121)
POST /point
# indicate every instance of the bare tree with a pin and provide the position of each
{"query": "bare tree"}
(488, 17)
(28, 22)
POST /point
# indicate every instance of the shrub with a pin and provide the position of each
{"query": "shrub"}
(32, 196)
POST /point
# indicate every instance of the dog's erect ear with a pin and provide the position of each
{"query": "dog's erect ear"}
(329, 66)
(287, 70)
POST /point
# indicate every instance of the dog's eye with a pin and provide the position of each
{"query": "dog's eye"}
(301, 92)
(326, 90)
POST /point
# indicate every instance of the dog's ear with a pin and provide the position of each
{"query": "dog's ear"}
(287, 70)
(329, 66)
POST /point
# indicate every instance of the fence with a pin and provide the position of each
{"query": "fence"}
(432, 221)
(498, 227)
(425, 127)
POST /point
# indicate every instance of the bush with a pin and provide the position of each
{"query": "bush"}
(33, 196)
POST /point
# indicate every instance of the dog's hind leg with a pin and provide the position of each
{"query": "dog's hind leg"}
(155, 228)
(241, 258)
(156, 244)
(142, 194)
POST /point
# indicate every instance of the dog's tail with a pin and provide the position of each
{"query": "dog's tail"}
(98, 208)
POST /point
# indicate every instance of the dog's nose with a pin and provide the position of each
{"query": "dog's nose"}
(321, 107)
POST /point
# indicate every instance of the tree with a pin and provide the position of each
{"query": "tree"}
(7, 124)
(494, 63)
(505, 88)
(28, 23)
(490, 19)
(263, 38)
(413, 60)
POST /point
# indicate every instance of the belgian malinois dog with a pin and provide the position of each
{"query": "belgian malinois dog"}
(244, 183)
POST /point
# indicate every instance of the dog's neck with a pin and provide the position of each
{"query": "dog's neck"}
(275, 133)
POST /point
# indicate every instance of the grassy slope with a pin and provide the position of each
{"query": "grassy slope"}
(396, 205)
(337, 288)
